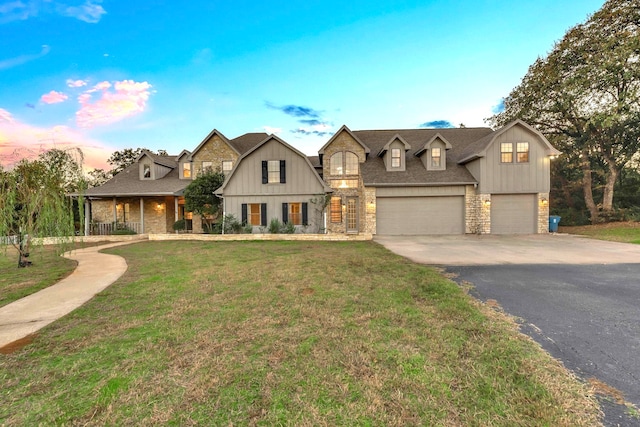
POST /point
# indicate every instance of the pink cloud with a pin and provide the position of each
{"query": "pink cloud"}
(53, 97)
(116, 102)
(19, 140)
(76, 83)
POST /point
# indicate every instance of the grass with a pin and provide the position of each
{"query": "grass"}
(285, 333)
(626, 232)
(48, 268)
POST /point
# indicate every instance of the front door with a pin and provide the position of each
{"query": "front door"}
(352, 215)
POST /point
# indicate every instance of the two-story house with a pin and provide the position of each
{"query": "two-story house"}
(413, 181)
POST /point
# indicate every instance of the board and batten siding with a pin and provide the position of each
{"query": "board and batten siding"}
(233, 205)
(494, 176)
(247, 179)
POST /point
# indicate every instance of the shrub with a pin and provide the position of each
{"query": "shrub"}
(180, 225)
(288, 228)
(275, 226)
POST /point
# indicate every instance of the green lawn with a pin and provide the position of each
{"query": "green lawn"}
(48, 268)
(285, 333)
(626, 232)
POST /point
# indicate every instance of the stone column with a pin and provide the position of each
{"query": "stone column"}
(87, 216)
(141, 215)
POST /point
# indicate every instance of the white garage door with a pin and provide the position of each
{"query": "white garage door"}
(513, 214)
(420, 215)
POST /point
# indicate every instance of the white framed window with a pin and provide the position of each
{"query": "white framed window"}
(522, 152)
(146, 171)
(186, 170)
(436, 157)
(207, 167)
(395, 157)
(506, 152)
(273, 171)
(336, 164)
(344, 163)
(227, 165)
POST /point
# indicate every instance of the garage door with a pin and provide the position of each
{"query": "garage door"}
(420, 215)
(513, 214)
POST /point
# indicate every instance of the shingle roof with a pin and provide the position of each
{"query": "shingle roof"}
(246, 142)
(375, 173)
(128, 183)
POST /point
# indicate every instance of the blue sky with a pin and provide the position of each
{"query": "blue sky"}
(107, 75)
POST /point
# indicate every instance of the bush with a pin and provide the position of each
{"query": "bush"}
(180, 225)
(274, 226)
(288, 228)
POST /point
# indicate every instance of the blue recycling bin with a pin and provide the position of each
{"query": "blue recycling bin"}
(554, 220)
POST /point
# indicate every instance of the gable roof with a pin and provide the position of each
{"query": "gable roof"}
(395, 137)
(257, 146)
(447, 144)
(246, 142)
(128, 183)
(374, 172)
(344, 128)
(207, 138)
(480, 147)
(167, 161)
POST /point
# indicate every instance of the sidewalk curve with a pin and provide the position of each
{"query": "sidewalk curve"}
(95, 271)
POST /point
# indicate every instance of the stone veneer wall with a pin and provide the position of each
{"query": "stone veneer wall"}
(344, 142)
(370, 210)
(215, 150)
(477, 212)
(543, 213)
(156, 219)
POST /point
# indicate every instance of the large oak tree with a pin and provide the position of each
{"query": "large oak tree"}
(585, 96)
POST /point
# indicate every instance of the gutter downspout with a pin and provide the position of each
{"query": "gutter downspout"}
(224, 210)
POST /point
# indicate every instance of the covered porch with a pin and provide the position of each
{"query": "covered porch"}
(135, 215)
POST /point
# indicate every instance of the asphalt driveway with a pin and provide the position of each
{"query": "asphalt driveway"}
(579, 298)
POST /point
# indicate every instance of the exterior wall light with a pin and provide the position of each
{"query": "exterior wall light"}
(486, 203)
(544, 202)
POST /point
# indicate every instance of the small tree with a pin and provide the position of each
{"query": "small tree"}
(199, 197)
(33, 203)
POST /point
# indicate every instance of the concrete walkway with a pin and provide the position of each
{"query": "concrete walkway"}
(94, 273)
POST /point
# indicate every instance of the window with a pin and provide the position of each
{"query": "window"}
(227, 165)
(521, 149)
(506, 152)
(395, 157)
(351, 164)
(522, 152)
(295, 213)
(344, 183)
(207, 167)
(274, 171)
(335, 210)
(254, 214)
(123, 212)
(336, 164)
(344, 163)
(186, 170)
(146, 171)
(436, 157)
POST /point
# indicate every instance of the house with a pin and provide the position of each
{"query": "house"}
(411, 181)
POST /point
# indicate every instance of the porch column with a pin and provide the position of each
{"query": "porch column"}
(175, 215)
(115, 212)
(141, 215)
(87, 216)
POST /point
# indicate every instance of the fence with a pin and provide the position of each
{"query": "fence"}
(107, 228)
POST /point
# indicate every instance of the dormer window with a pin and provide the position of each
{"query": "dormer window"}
(436, 157)
(521, 150)
(146, 171)
(186, 170)
(395, 158)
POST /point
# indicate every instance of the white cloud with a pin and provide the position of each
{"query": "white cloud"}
(127, 99)
(76, 83)
(53, 97)
(90, 11)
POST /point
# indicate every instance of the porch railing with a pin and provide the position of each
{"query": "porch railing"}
(107, 228)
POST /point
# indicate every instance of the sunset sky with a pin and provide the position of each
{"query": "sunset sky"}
(107, 75)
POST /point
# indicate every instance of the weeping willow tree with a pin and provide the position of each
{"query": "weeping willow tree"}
(34, 201)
